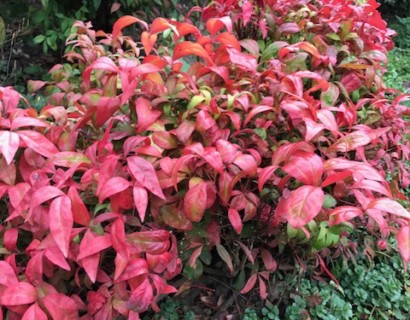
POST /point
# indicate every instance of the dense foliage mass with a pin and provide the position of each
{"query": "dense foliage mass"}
(266, 130)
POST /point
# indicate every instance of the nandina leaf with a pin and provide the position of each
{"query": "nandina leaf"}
(213, 25)
(195, 202)
(308, 47)
(247, 163)
(351, 141)
(303, 205)
(153, 242)
(235, 220)
(120, 245)
(9, 143)
(68, 159)
(144, 173)
(44, 194)
(18, 294)
(140, 200)
(141, 297)
(61, 222)
(90, 265)
(10, 238)
(112, 186)
(390, 206)
(194, 256)
(134, 268)
(343, 213)
(34, 313)
(7, 274)
(247, 251)
(373, 186)
(148, 41)
(305, 167)
(223, 253)
(123, 22)
(264, 175)
(80, 211)
(174, 217)
(227, 150)
(256, 110)
(214, 159)
(268, 261)
(146, 116)
(251, 46)
(92, 244)
(162, 24)
(102, 63)
(288, 27)
(403, 242)
(243, 60)
(358, 168)
(336, 177)
(60, 307)
(250, 283)
(186, 48)
(262, 289)
(37, 142)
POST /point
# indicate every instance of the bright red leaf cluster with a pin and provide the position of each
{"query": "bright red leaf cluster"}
(269, 120)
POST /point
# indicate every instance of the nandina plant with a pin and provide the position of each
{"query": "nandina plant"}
(264, 130)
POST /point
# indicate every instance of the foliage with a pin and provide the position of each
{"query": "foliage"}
(402, 28)
(399, 69)
(161, 155)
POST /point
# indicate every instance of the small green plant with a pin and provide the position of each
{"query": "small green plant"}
(171, 309)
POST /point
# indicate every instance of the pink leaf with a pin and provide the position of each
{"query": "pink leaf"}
(303, 205)
(152, 242)
(80, 211)
(250, 283)
(235, 220)
(61, 222)
(37, 142)
(390, 206)
(247, 163)
(44, 194)
(342, 214)
(268, 261)
(9, 143)
(112, 186)
(34, 313)
(134, 268)
(305, 167)
(140, 201)
(102, 63)
(243, 60)
(403, 242)
(18, 294)
(120, 245)
(141, 297)
(144, 173)
(195, 202)
(7, 275)
(90, 265)
(194, 256)
(262, 289)
(213, 25)
(123, 22)
(60, 307)
(92, 244)
(146, 116)
(351, 141)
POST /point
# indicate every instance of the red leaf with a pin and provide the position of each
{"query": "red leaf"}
(7, 275)
(60, 307)
(102, 63)
(247, 163)
(148, 41)
(9, 143)
(336, 177)
(225, 257)
(390, 206)
(37, 142)
(134, 268)
(268, 261)
(213, 25)
(305, 167)
(262, 289)
(123, 22)
(80, 211)
(112, 186)
(303, 205)
(247, 251)
(61, 222)
(186, 48)
(174, 217)
(342, 214)
(250, 283)
(243, 60)
(44, 194)
(195, 202)
(194, 256)
(141, 201)
(256, 110)
(144, 173)
(153, 242)
(19, 294)
(403, 242)
(264, 175)
(235, 220)
(69, 159)
(34, 313)
(10, 238)
(120, 245)
(146, 116)
(351, 141)
(90, 265)
(92, 244)
(141, 297)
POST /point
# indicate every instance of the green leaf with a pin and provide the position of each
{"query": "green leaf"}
(97, 4)
(39, 39)
(329, 202)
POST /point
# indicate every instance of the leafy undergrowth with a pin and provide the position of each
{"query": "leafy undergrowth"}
(251, 144)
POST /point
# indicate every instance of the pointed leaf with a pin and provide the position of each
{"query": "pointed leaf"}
(123, 22)
(390, 206)
(152, 242)
(223, 253)
(61, 222)
(112, 186)
(37, 142)
(195, 202)
(186, 48)
(92, 244)
(303, 205)
(60, 307)
(9, 143)
(144, 173)
(140, 200)
(235, 220)
(18, 294)
(305, 167)
(250, 283)
(34, 313)
(403, 242)
(342, 214)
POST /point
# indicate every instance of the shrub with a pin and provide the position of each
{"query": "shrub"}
(265, 131)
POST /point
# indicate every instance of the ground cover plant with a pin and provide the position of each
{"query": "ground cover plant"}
(258, 138)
